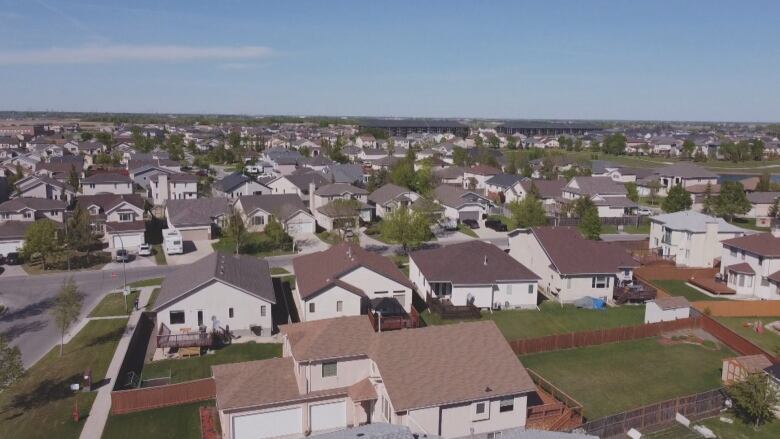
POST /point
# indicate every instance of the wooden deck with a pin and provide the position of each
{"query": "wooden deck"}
(553, 410)
(712, 286)
(640, 292)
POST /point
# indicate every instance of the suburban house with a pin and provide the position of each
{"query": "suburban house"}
(298, 183)
(347, 280)
(107, 183)
(473, 273)
(217, 293)
(345, 173)
(450, 175)
(236, 185)
(327, 212)
(41, 186)
(12, 235)
(198, 219)
(174, 186)
(751, 264)
(143, 171)
(461, 204)
(689, 238)
(609, 196)
(761, 205)
(683, 173)
(570, 266)
(390, 197)
(119, 217)
(475, 177)
(504, 188)
(339, 373)
(288, 209)
(32, 209)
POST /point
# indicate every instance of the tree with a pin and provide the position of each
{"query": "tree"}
(774, 210)
(424, 180)
(73, 178)
(86, 136)
(654, 186)
(633, 194)
(402, 174)
(79, 234)
(590, 224)
(275, 231)
(677, 199)
(41, 239)
(529, 212)
(105, 138)
(235, 228)
(11, 366)
(582, 205)
(67, 308)
(345, 214)
(406, 227)
(708, 204)
(732, 200)
(688, 147)
(764, 183)
(460, 157)
(377, 180)
(755, 398)
(615, 144)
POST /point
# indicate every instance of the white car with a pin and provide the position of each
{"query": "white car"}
(644, 211)
(145, 250)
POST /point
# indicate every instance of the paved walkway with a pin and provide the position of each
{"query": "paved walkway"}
(101, 408)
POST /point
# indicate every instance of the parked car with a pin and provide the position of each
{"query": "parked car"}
(644, 211)
(145, 250)
(122, 256)
(472, 224)
(13, 258)
(496, 225)
(448, 225)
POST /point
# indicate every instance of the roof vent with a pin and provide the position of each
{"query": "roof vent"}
(485, 262)
(488, 389)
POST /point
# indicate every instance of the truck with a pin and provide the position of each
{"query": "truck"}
(173, 242)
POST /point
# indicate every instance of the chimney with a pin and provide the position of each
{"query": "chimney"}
(311, 197)
(162, 187)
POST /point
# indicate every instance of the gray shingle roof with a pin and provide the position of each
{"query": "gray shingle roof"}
(339, 189)
(597, 186)
(387, 193)
(230, 182)
(693, 221)
(196, 212)
(686, 170)
(281, 206)
(17, 204)
(504, 180)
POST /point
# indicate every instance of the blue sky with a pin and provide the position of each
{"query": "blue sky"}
(667, 60)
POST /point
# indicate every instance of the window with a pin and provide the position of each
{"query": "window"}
(176, 317)
(28, 214)
(339, 306)
(329, 369)
(480, 408)
(311, 307)
(506, 405)
(530, 288)
(600, 282)
(262, 311)
(230, 312)
(258, 220)
(125, 217)
(481, 411)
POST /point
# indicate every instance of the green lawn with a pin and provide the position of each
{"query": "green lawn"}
(554, 319)
(113, 304)
(466, 230)
(256, 243)
(331, 238)
(152, 299)
(40, 405)
(767, 340)
(159, 254)
(741, 430)
(146, 283)
(681, 288)
(178, 422)
(644, 371)
(200, 367)
(748, 223)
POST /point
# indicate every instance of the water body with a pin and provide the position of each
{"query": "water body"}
(737, 177)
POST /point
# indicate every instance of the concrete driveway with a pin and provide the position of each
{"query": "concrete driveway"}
(309, 243)
(193, 251)
(12, 270)
(138, 261)
(488, 233)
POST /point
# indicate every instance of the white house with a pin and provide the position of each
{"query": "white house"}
(475, 177)
(461, 204)
(347, 280)
(609, 196)
(107, 183)
(32, 209)
(571, 267)
(174, 186)
(750, 263)
(666, 309)
(475, 273)
(690, 238)
(298, 183)
(237, 184)
(391, 197)
(12, 236)
(321, 204)
(288, 209)
(41, 186)
(119, 217)
(217, 292)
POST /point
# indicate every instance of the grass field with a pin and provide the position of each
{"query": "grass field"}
(767, 340)
(723, 430)
(178, 422)
(615, 377)
(554, 319)
(113, 304)
(748, 223)
(146, 283)
(466, 230)
(40, 405)
(200, 367)
(681, 288)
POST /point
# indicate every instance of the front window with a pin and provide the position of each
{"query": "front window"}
(176, 317)
(506, 405)
(329, 369)
(125, 217)
(258, 220)
(600, 282)
(311, 307)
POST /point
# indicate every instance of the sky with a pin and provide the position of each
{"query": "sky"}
(579, 59)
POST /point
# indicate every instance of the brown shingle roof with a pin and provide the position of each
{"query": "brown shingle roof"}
(572, 254)
(470, 263)
(316, 271)
(482, 170)
(329, 338)
(742, 267)
(753, 363)
(255, 383)
(762, 244)
(672, 302)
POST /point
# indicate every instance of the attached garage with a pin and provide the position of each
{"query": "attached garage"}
(285, 422)
(130, 242)
(11, 245)
(200, 234)
(300, 224)
(468, 215)
(328, 416)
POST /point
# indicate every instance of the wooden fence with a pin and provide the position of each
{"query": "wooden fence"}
(740, 308)
(657, 416)
(136, 400)
(736, 342)
(665, 272)
(597, 337)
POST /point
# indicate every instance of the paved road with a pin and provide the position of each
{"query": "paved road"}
(28, 322)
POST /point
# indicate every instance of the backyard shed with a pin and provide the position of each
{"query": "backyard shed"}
(666, 309)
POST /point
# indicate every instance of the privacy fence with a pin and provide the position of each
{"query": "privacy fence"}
(147, 398)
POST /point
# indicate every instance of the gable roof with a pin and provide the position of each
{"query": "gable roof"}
(686, 170)
(596, 186)
(106, 202)
(230, 182)
(106, 178)
(14, 229)
(301, 180)
(482, 170)
(318, 271)
(762, 244)
(18, 204)
(326, 339)
(387, 193)
(695, 222)
(547, 188)
(196, 211)
(453, 196)
(571, 254)
(244, 272)
(504, 180)
(470, 263)
(336, 189)
(282, 206)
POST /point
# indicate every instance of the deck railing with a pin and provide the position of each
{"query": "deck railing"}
(165, 339)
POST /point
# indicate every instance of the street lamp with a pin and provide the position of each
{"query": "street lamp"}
(124, 265)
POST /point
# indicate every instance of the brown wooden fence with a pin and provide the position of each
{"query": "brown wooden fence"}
(597, 337)
(657, 416)
(741, 308)
(665, 272)
(135, 400)
(736, 342)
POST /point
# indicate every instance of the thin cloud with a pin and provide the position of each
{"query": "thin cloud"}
(119, 53)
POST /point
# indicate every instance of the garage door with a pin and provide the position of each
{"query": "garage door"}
(195, 235)
(468, 214)
(328, 416)
(269, 424)
(131, 242)
(297, 227)
(10, 246)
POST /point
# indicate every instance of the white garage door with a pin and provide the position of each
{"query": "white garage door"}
(10, 246)
(300, 224)
(269, 424)
(131, 242)
(468, 214)
(329, 416)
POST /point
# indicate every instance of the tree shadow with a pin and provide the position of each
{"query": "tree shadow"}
(46, 392)
(108, 337)
(31, 310)
(22, 328)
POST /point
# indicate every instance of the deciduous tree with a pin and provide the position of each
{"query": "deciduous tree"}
(67, 308)
(235, 228)
(528, 212)
(11, 366)
(41, 239)
(677, 199)
(406, 227)
(590, 224)
(755, 398)
(732, 200)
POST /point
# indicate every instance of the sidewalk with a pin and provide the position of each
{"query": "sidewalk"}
(101, 408)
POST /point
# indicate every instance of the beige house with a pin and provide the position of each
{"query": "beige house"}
(751, 264)
(339, 373)
(288, 209)
(107, 183)
(32, 209)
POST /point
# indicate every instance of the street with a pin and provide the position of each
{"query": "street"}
(28, 322)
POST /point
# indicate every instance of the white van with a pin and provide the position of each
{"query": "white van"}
(172, 242)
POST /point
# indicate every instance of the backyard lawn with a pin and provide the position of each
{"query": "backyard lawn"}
(40, 405)
(113, 304)
(615, 377)
(723, 430)
(256, 243)
(768, 340)
(181, 421)
(200, 367)
(642, 229)
(553, 319)
(681, 288)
